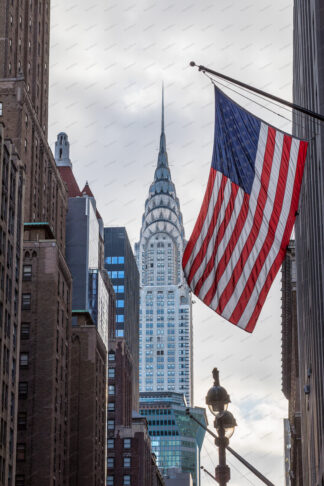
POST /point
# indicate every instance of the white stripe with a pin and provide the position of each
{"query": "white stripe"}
(258, 244)
(275, 248)
(204, 229)
(247, 226)
(220, 218)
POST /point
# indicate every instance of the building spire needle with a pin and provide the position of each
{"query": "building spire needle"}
(162, 121)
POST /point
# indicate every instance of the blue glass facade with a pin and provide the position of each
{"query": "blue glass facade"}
(115, 266)
(176, 439)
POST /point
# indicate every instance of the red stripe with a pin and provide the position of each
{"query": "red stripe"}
(201, 218)
(272, 227)
(257, 221)
(213, 224)
(289, 226)
(227, 253)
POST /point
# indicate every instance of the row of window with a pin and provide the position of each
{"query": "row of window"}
(126, 480)
(111, 443)
(116, 274)
(114, 260)
(111, 462)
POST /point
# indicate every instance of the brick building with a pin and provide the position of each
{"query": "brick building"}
(129, 454)
(88, 401)
(43, 414)
(42, 444)
(11, 197)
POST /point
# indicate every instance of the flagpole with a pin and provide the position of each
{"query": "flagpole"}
(311, 113)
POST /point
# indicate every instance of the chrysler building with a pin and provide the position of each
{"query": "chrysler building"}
(165, 299)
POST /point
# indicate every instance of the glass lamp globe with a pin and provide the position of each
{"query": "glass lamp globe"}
(225, 424)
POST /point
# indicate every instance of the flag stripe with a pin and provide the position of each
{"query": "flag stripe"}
(285, 240)
(273, 237)
(230, 249)
(199, 223)
(221, 210)
(210, 223)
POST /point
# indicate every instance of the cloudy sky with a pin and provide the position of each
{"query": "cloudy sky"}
(108, 59)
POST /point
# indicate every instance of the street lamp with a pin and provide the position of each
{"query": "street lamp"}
(217, 400)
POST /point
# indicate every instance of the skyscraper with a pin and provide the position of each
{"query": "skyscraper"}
(123, 272)
(11, 196)
(308, 91)
(176, 438)
(46, 288)
(165, 301)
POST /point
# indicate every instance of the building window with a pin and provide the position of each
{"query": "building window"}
(110, 480)
(23, 389)
(27, 272)
(111, 356)
(119, 289)
(111, 372)
(24, 332)
(110, 462)
(22, 420)
(24, 360)
(21, 452)
(20, 480)
(26, 299)
(119, 318)
(127, 480)
(111, 406)
(120, 303)
(110, 443)
(119, 333)
(127, 443)
(111, 424)
(127, 462)
(111, 390)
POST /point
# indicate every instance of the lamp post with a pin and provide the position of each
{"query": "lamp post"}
(217, 400)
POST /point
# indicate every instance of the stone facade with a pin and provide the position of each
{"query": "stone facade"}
(11, 220)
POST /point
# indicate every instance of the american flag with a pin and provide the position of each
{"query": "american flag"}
(247, 215)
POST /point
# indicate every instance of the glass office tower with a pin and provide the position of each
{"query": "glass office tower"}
(176, 439)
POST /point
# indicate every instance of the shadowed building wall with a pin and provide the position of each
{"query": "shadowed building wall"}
(308, 91)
